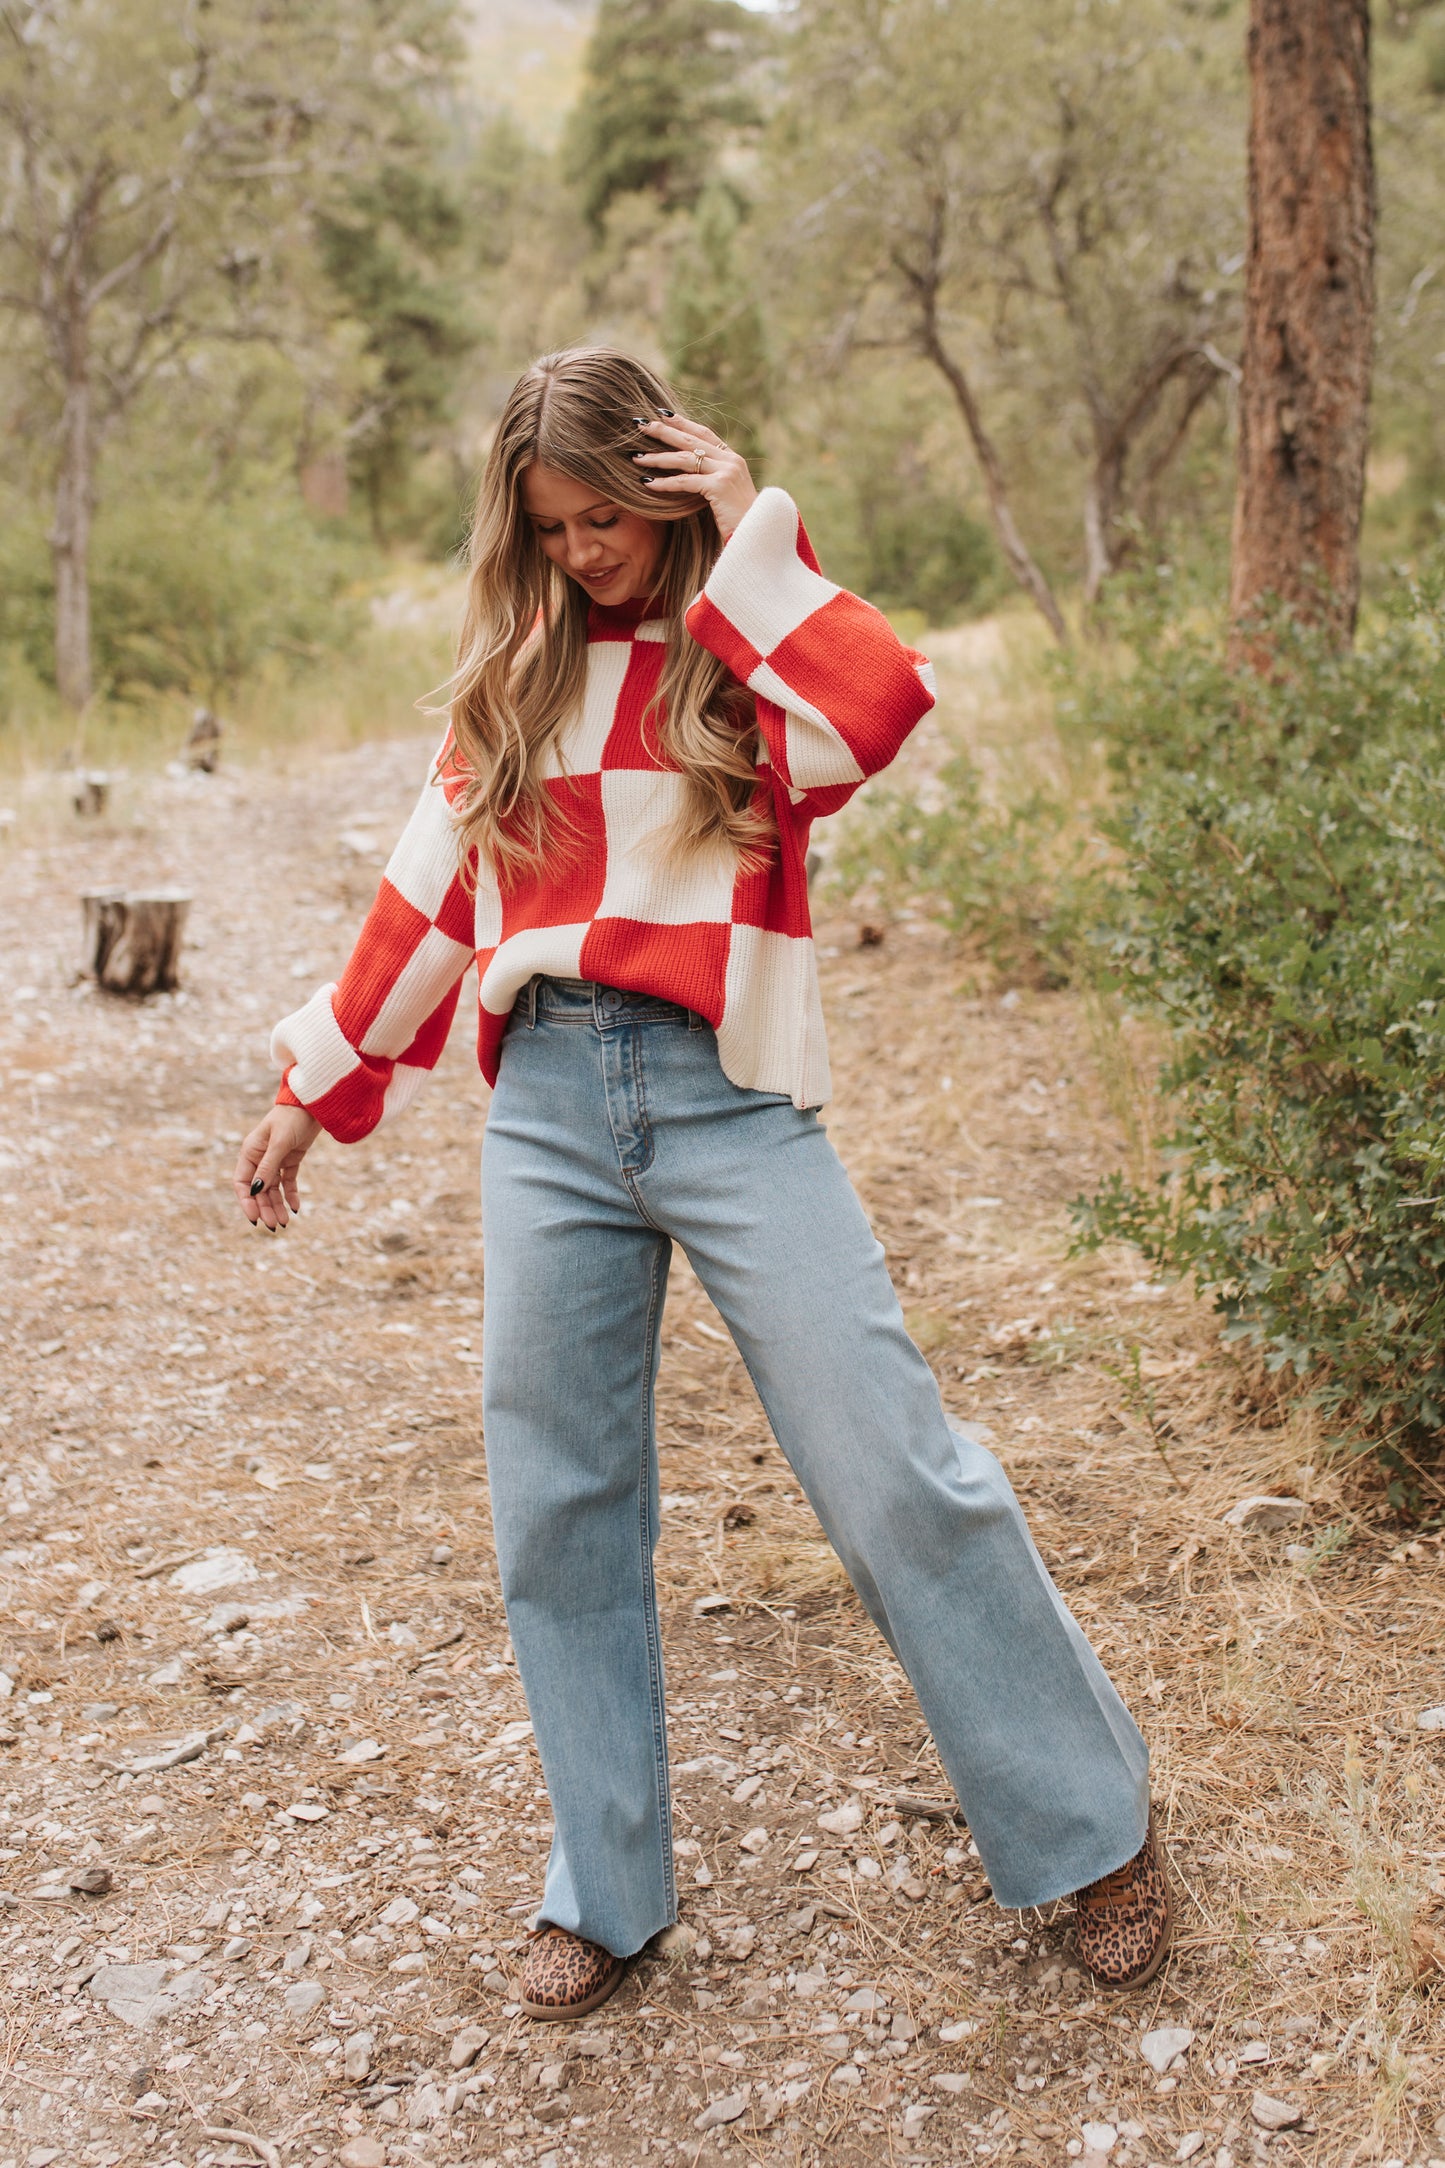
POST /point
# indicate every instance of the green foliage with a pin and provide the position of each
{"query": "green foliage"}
(186, 596)
(1282, 907)
(662, 87)
(392, 253)
(991, 873)
(716, 341)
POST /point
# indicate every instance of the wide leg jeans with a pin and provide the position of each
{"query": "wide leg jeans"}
(612, 1134)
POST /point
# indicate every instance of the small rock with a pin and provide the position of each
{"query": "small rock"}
(227, 1618)
(100, 1712)
(413, 1961)
(949, 2081)
(236, 1948)
(747, 1790)
(676, 1941)
(92, 1881)
(866, 1998)
(365, 1750)
(1254, 2051)
(362, 2153)
(1099, 2137)
(467, 2046)
(740, 1943)
(400, 1912)
(306, 1810)
(843, 1821)
(806, 1860)
(426, 2107)
(1191, 2143)
(755, 1841)
(903, 2028)
(304, 1997)
(133, 1993)
(218, 1569)
(1431, 1719)
(1165, 2047)
(591, 2045)
(915, 2118)
(845, 2078)
(356, 2057)
(1271, 2114)
(170, 1674)
(1262, 1516)
(496, 1982)
(726, 2110)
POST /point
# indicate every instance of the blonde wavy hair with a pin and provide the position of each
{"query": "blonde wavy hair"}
(522, 650)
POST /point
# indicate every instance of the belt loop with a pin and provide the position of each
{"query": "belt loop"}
(532, 1002)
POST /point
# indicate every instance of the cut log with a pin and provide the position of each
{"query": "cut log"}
(89, 792)
(133, 941)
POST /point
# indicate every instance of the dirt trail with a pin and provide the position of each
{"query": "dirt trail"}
(247, 1519)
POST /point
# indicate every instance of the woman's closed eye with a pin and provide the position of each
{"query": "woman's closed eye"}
(599, 525)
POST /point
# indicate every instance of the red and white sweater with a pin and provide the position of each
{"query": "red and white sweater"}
(837, 693)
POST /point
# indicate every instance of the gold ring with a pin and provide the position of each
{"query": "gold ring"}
(701, 459)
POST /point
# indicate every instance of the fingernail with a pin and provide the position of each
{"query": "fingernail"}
(666, 413)
(641, 420)
(257, 1186)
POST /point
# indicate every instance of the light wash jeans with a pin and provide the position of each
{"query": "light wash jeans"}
(613, 1133)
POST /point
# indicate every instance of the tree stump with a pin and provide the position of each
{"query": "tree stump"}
(89, 793)
(133, 941)
(202, 749)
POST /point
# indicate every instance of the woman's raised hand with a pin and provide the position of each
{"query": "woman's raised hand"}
(265, 1180)
(692, 461)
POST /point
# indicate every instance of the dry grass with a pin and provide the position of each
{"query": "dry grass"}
(173, 1383)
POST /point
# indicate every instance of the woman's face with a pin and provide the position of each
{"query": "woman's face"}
(611, 553)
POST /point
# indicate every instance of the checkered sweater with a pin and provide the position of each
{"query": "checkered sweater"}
(836, 696)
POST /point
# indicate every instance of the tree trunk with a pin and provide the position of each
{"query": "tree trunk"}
(1011, 542)
(1309, 317)
(70, 535)
(133, 942)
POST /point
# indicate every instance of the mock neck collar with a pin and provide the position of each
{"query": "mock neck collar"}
(616, 619)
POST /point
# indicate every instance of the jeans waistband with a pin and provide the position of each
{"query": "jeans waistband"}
(585, 1001)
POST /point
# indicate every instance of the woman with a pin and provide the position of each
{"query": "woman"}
(656, 694)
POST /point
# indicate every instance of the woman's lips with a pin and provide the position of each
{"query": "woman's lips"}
(596, 579)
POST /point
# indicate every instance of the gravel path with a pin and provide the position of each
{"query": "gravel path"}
(261, 1708)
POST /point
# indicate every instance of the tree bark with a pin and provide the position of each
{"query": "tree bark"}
(70, 534)
(1309, 317)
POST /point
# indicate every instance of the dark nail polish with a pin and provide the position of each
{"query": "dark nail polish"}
(641, 420)
(257, 1186)
(666, 413)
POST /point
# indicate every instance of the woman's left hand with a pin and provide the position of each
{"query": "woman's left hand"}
(690, 461)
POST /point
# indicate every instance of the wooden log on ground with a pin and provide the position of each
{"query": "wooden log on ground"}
(133, 940)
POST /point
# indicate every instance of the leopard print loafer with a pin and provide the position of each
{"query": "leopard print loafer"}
(565, 1977)
(1124, 1922)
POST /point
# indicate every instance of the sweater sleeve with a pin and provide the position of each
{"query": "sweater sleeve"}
(361, 1048)
(838, 692)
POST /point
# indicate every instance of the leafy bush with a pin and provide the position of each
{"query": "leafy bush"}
(187, 595)
(989, 872)
(1282, 907)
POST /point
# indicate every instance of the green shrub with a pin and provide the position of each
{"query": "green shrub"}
(1281, 904)
(190, 596)
(187, 595)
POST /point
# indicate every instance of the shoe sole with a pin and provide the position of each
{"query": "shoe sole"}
(563, 2013)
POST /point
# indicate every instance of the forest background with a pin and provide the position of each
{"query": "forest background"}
(971, 279)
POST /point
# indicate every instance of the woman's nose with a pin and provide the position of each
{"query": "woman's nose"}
(585, 547)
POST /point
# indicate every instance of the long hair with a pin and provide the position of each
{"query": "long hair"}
(522, 651)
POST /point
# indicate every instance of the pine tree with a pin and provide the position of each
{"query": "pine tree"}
(665, 81)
